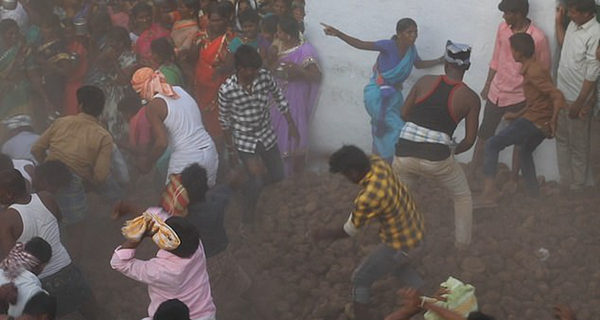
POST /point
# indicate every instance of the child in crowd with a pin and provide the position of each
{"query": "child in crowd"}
(250, 22)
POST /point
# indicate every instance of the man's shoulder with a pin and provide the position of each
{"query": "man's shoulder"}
(536, 69)
(503, 26)
(536, 33)
(229, 83)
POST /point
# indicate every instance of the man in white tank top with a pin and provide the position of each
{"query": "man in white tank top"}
(176, 123)
(37, 215)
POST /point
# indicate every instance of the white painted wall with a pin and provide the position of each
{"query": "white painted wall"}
(341, 117)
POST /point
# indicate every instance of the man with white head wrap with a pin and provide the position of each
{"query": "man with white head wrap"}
(432, 111)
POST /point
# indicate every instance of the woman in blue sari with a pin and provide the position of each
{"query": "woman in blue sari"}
(383, 95)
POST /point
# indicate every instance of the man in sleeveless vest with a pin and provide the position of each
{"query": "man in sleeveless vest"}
(432, 111)
(37, 215)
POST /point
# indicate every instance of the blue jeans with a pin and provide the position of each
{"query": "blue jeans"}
(520, 132)
(72, 199)
(381, 261)
(272, 161)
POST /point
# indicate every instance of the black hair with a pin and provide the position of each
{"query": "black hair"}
(120, 35)
(195, 181)
(53, 173)
(192, 4)
(130, 104)
(163, 49)
(290, 26)
(585, 6)
(41, 304)
(221, 10)
(13, 181)
(247, 57)
(405, 23)
(39, 248)
(100, 22)
(269, 24)
(515, 6)
(91, 99)
(6, 163)
(479, 316)
(228, 8)
(523, 43)
(349, 158)
(250, 15)
(188, 235)
(172, 309)
(140, 7)
(8, 24)
(287, 3)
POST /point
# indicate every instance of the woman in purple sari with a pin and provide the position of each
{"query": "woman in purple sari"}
(295, 65)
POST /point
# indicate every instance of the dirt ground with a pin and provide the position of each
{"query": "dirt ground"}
(312, 281)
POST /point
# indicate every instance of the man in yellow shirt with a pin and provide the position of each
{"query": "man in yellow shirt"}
(85, 146)
(385, 199)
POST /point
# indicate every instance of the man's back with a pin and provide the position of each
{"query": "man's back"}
(79, 141)
(385, 198)
(39, 221)
(187, 135)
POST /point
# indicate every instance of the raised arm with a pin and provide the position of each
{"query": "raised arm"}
(424, 64)
(356, 43)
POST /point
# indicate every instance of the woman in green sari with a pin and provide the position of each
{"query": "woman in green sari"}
(16, 91)
(163, 55)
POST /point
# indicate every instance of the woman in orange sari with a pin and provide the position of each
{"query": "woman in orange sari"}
(210, 68)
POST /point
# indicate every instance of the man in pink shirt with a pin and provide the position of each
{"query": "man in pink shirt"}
(175, 274)
(504, 85)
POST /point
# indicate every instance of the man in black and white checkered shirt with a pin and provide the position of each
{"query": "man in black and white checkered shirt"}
(244, 114)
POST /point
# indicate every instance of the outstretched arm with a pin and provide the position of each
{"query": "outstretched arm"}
(356, 43)
(424, 64)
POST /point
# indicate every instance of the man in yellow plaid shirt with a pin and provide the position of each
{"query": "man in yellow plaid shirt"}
(385, 199)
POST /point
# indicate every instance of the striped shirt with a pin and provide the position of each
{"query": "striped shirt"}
(385, 199)
(247, 114)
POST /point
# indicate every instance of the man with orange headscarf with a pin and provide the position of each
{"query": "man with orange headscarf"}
(176, 123)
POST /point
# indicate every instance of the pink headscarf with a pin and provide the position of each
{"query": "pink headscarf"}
(148, 82)
(18, 260)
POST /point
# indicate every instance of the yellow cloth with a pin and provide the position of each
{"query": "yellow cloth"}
(461, 299)
(164, 237)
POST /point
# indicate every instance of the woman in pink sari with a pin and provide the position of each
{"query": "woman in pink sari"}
(142, 17)
(295, 66)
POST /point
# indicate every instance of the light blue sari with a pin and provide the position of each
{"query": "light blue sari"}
(383, 102)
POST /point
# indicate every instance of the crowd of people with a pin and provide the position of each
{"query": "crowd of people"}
(207, 98)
